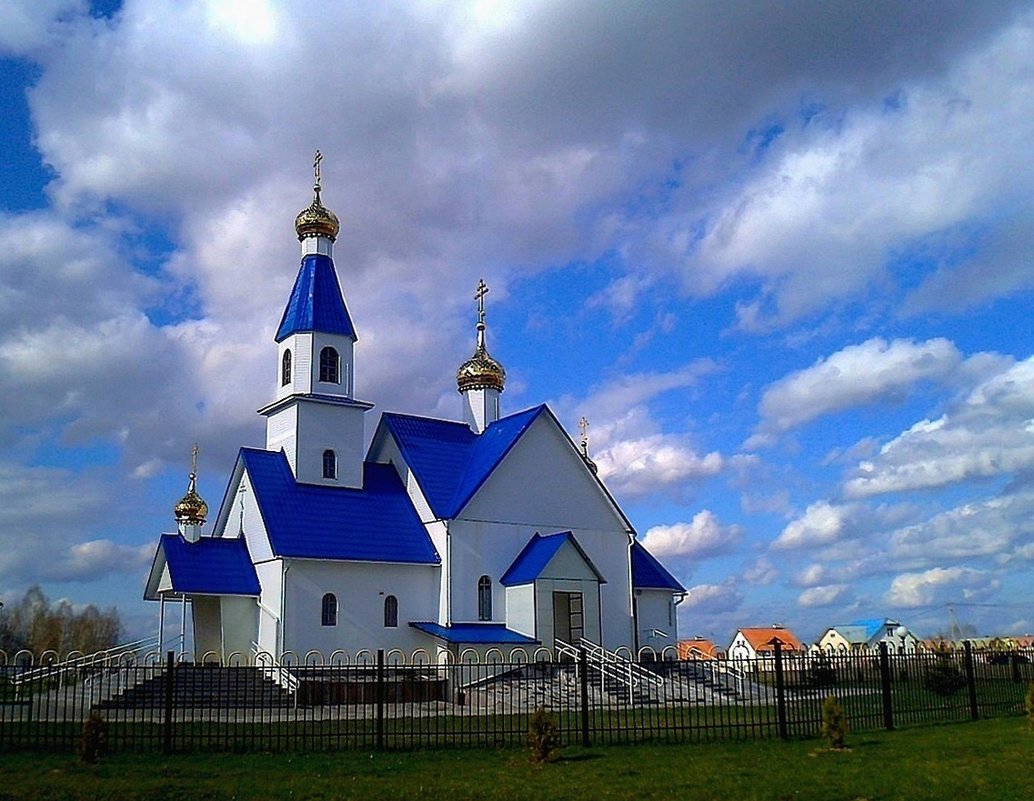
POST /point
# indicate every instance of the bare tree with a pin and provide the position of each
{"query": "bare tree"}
(36, 625)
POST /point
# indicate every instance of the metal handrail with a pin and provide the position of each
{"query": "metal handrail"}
(274, 671)
(99, 659)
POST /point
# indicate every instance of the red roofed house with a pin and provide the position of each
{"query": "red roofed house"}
(757, 643)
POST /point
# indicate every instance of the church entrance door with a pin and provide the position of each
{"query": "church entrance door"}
(568, 623)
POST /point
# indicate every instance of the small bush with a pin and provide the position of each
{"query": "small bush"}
(543, 738)
(834, 722)
(93, 742)
(944, 678)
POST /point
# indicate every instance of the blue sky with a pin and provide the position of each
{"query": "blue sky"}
(778, 255)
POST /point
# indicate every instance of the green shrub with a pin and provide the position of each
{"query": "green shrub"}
(543, 737)
(834, 722)
(93, 742)
(944, 678)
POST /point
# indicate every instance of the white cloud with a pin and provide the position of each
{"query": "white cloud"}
(712, 598)
(822, 523)
(704, 536)
(28, 25)
(988, 433)
(648, 464)
(762, 572)
(97, 559)
(939, 585)
(874, 371)
(824, 596)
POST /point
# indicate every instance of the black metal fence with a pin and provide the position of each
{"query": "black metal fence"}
(390, 703)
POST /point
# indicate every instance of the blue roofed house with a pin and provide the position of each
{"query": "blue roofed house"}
(492, 531)
(866, 635)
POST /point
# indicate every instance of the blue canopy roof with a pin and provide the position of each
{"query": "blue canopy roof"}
(316, 303)
(874, 625)
(538, 553)
(374, 524)
(209, 566)
(475, 633)
(649, 574)
(449, 460)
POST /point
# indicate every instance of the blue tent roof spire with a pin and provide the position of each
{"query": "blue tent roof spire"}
(316, 303)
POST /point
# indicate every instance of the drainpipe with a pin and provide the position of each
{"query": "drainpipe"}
(284, 567)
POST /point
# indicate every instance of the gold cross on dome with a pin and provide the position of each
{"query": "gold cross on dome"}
(316, 167)
(193, 458)
(479, 296)
(583, 426)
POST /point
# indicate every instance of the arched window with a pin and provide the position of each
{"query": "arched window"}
(391, 612)
(329, 615)
(484, 598)
(329, 464)
(330, 366)
(285, 369)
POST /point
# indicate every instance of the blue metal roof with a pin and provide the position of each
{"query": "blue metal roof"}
(449, 460)
(210, 566)
(475, 633)
(538, 553)
(316, 303)
(874, 625)
(649, 574)
(374, 524)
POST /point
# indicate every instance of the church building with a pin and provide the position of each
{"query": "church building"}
(491, 531)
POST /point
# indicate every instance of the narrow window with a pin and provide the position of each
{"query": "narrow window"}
(329, 616)
(391, 612)
(484, 598)
(329, 464)
(285, 369)
(330, 366)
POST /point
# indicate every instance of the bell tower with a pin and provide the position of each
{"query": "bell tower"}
(316, 418)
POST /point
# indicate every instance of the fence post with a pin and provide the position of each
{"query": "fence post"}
(974, 711)
(170, 664)
(888, 705)
(583, 675)
(1014, 660)
(380, 699)
(777, 645)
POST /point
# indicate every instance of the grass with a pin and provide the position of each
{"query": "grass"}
(984, 760)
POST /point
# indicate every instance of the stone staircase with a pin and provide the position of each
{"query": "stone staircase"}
(203, 686)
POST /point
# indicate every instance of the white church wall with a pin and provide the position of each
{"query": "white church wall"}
(239, 620)
(339, 428)
(300, 346)
(360, 589)
(280, 429)
(269, 605)
(520, 609)
(567, 563)
(657, 624)
(208, 636)
(250, 523)
(346, 373)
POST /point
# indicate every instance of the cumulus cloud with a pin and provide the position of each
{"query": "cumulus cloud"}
(824, 596)
(876, 370)
(713, 598)
(988, 433)
(822, 523)
(26, 26)
(939, 585)
(704, 536)
(97, 559)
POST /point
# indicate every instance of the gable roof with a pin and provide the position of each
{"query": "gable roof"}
(697, 648)
(374, 524)
(209, 566)
(875, 625)
(538, 553)
(449, 460)
(649, 574)
(316, 303)
(760, 638)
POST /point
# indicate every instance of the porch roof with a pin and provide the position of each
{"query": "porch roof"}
(209, 566)
(474, 633)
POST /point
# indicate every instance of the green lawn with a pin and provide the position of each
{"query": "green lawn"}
(989, 759)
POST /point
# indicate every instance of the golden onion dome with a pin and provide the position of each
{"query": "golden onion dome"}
(191, 510)
(480, 371)
(317, 220)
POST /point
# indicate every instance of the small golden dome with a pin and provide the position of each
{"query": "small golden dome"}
(480, 371)
(317, 220)
(191, 510)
